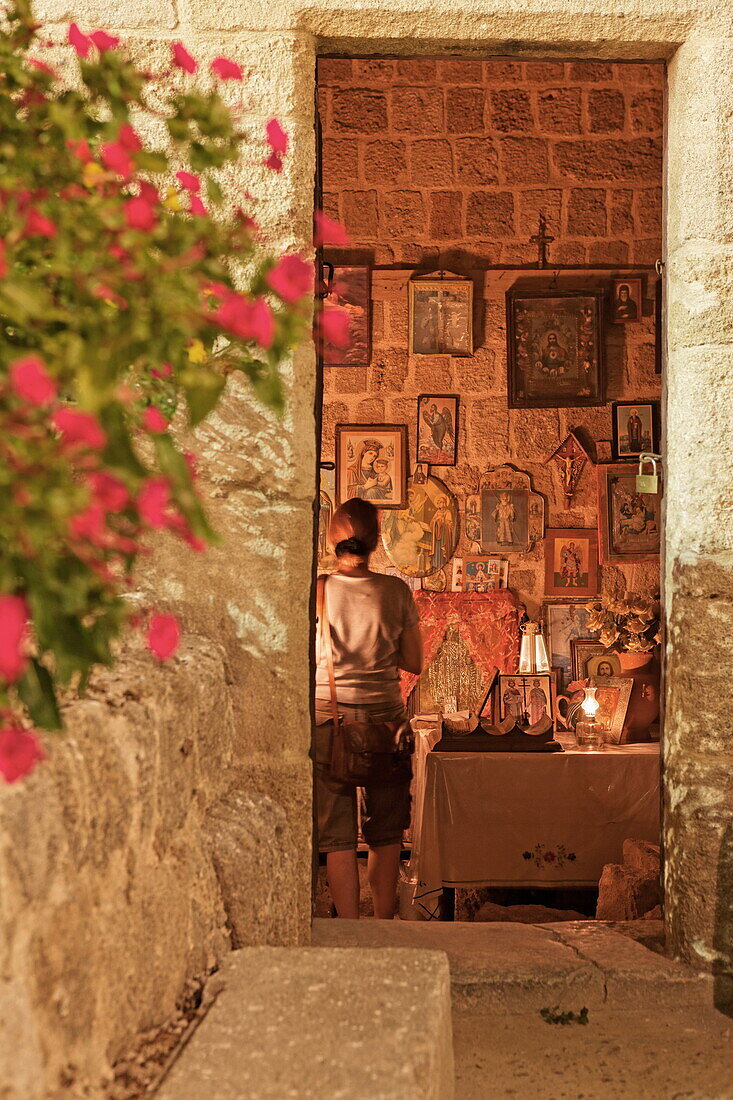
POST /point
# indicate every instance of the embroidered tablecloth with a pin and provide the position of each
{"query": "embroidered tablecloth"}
(529, 819)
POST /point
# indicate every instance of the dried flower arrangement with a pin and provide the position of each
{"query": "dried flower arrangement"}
(627, 625)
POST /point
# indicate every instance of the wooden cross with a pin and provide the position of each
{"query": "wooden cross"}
(542, 238)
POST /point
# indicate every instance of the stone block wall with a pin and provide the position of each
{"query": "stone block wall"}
(447, 164)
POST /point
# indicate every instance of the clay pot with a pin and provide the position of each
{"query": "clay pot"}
(643, 710)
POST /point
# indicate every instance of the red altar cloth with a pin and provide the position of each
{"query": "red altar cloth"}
(488, 623)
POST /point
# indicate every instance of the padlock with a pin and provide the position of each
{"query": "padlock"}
(647, 483)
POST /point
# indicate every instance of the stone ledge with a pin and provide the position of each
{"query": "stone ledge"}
(320, 1025)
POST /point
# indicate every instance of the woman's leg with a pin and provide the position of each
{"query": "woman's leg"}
(383, 869)
(343, 882)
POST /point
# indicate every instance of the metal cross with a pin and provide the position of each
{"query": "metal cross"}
(542, 238)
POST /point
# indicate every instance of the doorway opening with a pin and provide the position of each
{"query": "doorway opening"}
(504, 374)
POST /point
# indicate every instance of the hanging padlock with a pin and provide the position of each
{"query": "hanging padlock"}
(647, 483)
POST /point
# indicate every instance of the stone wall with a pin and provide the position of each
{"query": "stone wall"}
(447, 164)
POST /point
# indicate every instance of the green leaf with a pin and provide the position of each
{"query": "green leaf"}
(36, 691)
(202, 388)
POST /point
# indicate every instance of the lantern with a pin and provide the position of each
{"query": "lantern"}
(533, 653)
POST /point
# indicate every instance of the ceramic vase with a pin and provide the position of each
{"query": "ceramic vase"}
(643, 709)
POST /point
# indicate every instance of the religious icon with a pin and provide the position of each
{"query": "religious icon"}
(437, 429)
(422, 538)
(629, 522)
(626, 304)
(565, 622)
(634, 425)
(481, 574)
(613, 693)
(571, 561)
(555, 348)
(529, 700)
(441, 315)
(371, 463)
(326, 496)
(351, 292)
(569, 460)
(511, 517)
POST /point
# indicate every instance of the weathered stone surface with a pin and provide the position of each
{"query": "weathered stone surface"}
(641, 856)
(625, 894)
(323, 1023)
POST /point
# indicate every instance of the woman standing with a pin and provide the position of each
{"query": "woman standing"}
(374, 633)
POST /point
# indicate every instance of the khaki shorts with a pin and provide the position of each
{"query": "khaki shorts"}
(385, 810)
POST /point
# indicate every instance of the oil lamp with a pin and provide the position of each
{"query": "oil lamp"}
(533, 654)
(588, 731)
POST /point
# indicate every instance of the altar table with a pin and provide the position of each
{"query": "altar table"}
(529, 819)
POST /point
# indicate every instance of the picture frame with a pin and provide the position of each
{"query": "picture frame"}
(588, 656)
(505, 513)
(635, 428)
(627, 301)
(326, 506)
(565, 620)
(483, 574)
(571, 561)
(629, 523)
(421, 538)
(351, 291)
(555, 348)
(437, 429)
(440, 314)
(371, 463)
(519, 696)
(613, 693)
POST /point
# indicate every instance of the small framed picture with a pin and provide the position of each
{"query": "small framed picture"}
(629, 522)
(441, 315)
(555, 348)
(571, 561)
(481, 574)
(634, 428)
(371, 463)
(626, 303)
(613, 693)
(565, 620)
(603, 450)
(527, 699)
(590, 658)
(437, 429)
(457, 575)
(351, 291)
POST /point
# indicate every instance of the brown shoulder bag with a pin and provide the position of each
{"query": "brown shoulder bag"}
(362, 752)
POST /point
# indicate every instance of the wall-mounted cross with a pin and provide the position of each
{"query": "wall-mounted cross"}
(542, 238)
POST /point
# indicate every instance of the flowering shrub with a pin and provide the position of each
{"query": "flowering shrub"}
(118, 301)
(628, 625)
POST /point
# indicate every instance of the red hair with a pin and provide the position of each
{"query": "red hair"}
(356, 520)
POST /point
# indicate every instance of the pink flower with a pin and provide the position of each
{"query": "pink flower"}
(196, 207)
(182, 58)
(43, 67)
(89, 526)
(81, 151)
(20, 751)
(274, 162)
(117, 159)
(108, 491)
(188, 181)
(139, 214)
(14, 616)
(291, 278)
(247, 320)
(164, 636)
(104, 41)
(227, 70)
(328, 231)
(38, 225)
(79, 429)
(80, 42)
(334, 325)
(277, 139)
(31, 381)
(128, 139)
(3, 261)
(153, 420)
(164, 371)
(153, 501)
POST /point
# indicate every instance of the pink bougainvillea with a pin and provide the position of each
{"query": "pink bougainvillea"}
(20, 751)
(164, 636)
(291, 278)
(14, 616)
(226, 70)
(31, 381)
(327, 231)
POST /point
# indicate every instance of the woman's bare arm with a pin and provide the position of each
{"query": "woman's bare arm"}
(410, 653)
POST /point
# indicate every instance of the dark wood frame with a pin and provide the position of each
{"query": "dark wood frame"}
(401, 429)
(367, 268)
(516, 402)
(591, 589)
(550, 677)
(439, 396)
(654, 404)
(606, 556)
(627, 279)
(576, 645)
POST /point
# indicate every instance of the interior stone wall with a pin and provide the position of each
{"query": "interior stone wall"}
(446, 164)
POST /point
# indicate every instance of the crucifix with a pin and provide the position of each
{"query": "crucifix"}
(569, 458)
(542, 238)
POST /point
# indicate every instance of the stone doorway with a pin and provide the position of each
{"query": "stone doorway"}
(447, 163)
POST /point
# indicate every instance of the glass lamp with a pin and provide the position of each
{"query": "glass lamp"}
(589, 732)
(533, 653)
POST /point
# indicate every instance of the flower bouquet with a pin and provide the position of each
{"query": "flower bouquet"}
(627, 625)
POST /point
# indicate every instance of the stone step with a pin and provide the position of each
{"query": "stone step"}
(517, 968)
(322, 1024)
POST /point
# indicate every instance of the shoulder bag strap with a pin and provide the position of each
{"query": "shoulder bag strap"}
(326, 644)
